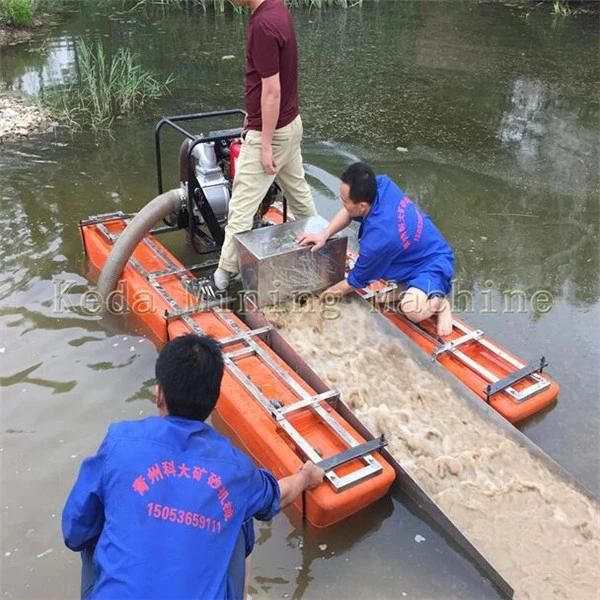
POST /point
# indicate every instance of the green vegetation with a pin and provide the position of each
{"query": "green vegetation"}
(219, 5)
(322, 3)
(561, 7)
(105, 89)
(21, 12)
(16, 12)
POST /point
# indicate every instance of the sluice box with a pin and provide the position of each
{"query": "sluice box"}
(274, 267)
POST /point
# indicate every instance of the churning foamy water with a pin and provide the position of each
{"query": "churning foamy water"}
(541, 533)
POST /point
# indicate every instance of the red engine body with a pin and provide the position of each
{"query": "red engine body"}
(234, 151)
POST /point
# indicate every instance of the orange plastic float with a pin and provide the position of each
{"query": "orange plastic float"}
(513, 388)
(277, 416)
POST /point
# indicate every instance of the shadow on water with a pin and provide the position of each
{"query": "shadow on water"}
(489, 118)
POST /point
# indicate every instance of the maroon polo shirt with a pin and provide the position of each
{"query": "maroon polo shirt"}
(271, 48)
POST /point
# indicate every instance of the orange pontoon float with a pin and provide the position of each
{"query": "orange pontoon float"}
(277, 416)
(511, 387)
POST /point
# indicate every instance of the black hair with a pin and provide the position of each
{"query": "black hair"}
(189, 370)
(361, 179)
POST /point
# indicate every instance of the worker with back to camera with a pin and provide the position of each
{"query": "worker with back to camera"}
(397, 242)
(164, 508)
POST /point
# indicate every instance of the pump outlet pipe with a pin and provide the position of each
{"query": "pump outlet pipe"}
(132, 235)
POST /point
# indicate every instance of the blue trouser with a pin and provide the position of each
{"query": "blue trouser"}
(235, 576)
(88, 571)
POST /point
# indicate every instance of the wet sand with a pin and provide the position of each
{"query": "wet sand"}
(542, 534)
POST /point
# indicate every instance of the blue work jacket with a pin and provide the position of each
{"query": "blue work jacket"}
(398, 240)
(165, 497)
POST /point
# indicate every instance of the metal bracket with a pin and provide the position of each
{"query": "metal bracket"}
(241, 353)
(305, 399)
(356, 452)
(202, 307)
(380, 292)
(243, 337)
(111, 238)
(313, 401)
(106, 218)
(540, 383)
(178, 271)
(509, 380)
(450, 346)
(200, 287)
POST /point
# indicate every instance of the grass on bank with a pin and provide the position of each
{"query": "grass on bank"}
(219, 5)
(105, 89)
(21, 13)
(18, 13)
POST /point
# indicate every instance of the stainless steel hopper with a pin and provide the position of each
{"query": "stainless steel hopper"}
(274, 267)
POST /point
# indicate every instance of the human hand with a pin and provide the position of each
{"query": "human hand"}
(318, 240)
(338, 290)
(268, 164)
(328, 295)
(313, 475)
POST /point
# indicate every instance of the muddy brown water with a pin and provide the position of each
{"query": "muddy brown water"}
(487, 115)
(538, 529)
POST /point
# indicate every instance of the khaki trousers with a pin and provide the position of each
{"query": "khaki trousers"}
(251, 184)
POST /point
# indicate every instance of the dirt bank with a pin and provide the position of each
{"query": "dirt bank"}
(9, 36)
(20, 117)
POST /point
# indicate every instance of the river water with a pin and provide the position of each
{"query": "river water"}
(487, 115)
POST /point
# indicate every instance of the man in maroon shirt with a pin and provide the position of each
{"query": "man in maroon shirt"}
(271, 149)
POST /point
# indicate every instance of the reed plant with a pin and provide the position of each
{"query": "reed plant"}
(16, 12)
(219, 5)
(323, 3)
(216, 5)
(561, 7)
(105, 88)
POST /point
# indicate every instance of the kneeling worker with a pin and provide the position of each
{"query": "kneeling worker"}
(164, 504)
(398, 243)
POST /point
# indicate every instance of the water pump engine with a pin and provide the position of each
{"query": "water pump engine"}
(211, 178)
(207, 167)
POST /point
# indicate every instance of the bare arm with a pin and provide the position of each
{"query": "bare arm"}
(292, 486)
(341, 288)
(341, 220)
(270, 100)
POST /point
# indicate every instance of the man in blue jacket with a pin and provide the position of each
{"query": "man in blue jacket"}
(166, 499)
(398, 243)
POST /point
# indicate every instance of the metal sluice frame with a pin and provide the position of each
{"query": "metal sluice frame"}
(355, 450)
(405, 484)
(495, 384)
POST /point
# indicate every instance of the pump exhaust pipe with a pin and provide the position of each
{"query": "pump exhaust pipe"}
(154, 211)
